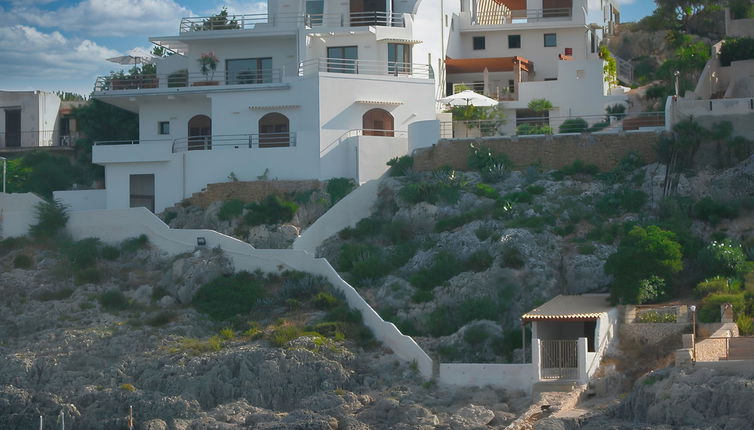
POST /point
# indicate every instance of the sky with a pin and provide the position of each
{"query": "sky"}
(62, 45)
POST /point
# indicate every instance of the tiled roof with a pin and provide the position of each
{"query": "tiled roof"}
(583, 307)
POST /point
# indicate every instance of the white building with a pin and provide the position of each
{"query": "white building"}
(520, 50)
(311, 89)
(28, 119)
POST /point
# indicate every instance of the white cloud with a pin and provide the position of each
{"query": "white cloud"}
(240, 7)
(106, 17)
(28, 53)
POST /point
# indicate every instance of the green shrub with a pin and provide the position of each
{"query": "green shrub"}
(114, 300)
(162, 318)
(652, 289)
(60, 294)
(399, 166)
(422, 296)
(745, 325)
(300, 285)
(495, 173)
(573, 125)
(338, 188)
(110, 253)
(643, 253)
(343, 313)
(710, 308)
(586, 248)
(535, 190)
(271, 210)
(351, 253)
(52, 216)
(90, 275)
(479, 261)
(11, 243)
(578, 167)
(716, 285)
(625, 198)
(325, 301)
(511, 257)
(483, 233)
(398, 232)
(23, 261)
(446, 320)
(481, 157)
(454, 222)
(598, 126)
(444, 266)
(168, 216)
(713, 211)
(371, 267)
(484, 190)
(230, 209)
(530, 129)
(656, 317)
(476, 334)
(722, 258)
(227, 296)
(133, 244)
(401, 254)
(736, 49)
(519, 197)
(83, 254)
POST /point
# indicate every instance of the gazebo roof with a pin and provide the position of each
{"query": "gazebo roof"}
(570, 308)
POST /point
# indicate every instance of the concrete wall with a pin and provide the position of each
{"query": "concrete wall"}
(17, 213)
(738, 111)
(514, 376)
(39, 112)
(82, 200)
(374, 152)
(738, 27)
(551, 152)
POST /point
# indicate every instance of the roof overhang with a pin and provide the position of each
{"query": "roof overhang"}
(492, 64)
(585, 307)
(380, 102)
(399, 40)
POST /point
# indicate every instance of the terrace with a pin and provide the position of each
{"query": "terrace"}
(184, 79)
(265, 21)
(516, 12)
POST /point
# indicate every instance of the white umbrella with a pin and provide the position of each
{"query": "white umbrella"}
(134, 57)
(468, 97)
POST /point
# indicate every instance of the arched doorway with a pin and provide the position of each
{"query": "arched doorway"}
(274, 130)
(378, 122)
(200, 133)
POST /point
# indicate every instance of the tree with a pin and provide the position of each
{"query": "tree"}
(610, 70)
(540, 106)
(677, 150)
(644, 257)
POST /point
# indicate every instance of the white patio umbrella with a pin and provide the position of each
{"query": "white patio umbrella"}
(468, 98)
(134, 57)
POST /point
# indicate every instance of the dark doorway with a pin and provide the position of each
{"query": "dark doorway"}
(589, 328)
(12, 128)
(141, 191)
(274, 131)
(378, 122)
(199, 133)
(368, 12)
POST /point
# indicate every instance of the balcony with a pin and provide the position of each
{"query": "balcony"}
(184, 79)
(263, 20)
(234, 141)
(365, 67)
(131, 151)
(523, 16)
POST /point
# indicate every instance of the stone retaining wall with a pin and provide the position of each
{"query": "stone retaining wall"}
(550, 152)
(652, 333)
(250, 191)
(711, 349)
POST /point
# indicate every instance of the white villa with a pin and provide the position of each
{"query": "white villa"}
(316, 89)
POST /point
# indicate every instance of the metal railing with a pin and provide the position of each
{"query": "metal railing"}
(560, 359)
(365, 67)
(625, 70)
(557, 125)
(185, 79)
(497, 92)
(374, 132)
(129, 142)
(251, 21)
(522, 16)
(235, 141)
(37, 138)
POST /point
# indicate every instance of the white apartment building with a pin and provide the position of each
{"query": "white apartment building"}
(311, 89)
(519, 50)
(29, 119)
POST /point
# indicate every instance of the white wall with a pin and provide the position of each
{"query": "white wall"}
(513, 377)
(281, 48)
(423, 134)
(39, 112)
(375, 151)
(82, 200)
(17, 213)
(738, 111)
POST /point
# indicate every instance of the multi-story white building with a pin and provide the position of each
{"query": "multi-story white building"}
(334, 88)
(311, 89)
(30, 119)
(519, 50)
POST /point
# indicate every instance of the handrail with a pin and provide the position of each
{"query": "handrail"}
(250, 21)
(365, 67)
(236, 141)
(184, 79)
(522, 16)
(379, 132)
(127, 142)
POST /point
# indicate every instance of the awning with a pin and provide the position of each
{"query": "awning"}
(274, 107)
(570, 308)
(494, 64)
(407, 41)
(380, 102)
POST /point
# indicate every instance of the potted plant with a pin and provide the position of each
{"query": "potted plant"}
(207, 65)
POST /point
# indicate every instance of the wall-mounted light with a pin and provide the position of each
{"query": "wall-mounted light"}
(200, 241)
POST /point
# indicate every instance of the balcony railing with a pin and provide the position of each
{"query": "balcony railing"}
(365, 67)
(235, 141)
(496, 92)
(183, 79)
(251, 21)
(523, 16)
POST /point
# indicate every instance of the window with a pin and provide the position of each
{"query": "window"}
(551, 39)
(378, 122)
(511, 86)
(274, 131)
(479, 42)
(399, 58)
(315, 10)
(249, 71)
(163, 127)
(342, 59)
(514, 41)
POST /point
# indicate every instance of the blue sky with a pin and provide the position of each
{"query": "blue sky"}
(62, 44)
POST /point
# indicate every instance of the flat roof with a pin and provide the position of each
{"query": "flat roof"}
(570, 308)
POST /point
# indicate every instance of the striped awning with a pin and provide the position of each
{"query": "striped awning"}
(570, 308)
(274, 107)
(397, 40)
(380, 102)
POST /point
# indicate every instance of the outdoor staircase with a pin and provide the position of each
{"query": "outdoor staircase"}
(741, 348)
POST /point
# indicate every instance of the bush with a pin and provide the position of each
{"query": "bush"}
(227, 296)
(736, 49)
(722, 258)
(519, 197)
(446, 320)
(230, 209)
(651, 289)
(399, 166)
(350, 253)
(162, 318)
(22, 261)
(133, 244)
(90, 275)
(11, 243)
(476, 334)
(745, 325)
(484, 190)
(586, 248)
(110, 252)
(325, 301)
(52, 216)
(444, 266)
(113, 300)
(712, 211)
(83, 254)
(710, 309)
(512, 258)
(481, 158)
(642, 254)
(338, 188)
(579, 167)
(271, 210)
(479, 261)
(533, 129)
(535, 190)
(656, 317)
(60, 294)
(716, 285)
(573, 125)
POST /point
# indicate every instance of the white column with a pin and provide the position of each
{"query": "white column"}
(581, 349)
(536, 361)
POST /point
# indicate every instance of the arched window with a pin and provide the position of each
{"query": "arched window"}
(274, 131)
(378, 122)
(200, 133)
